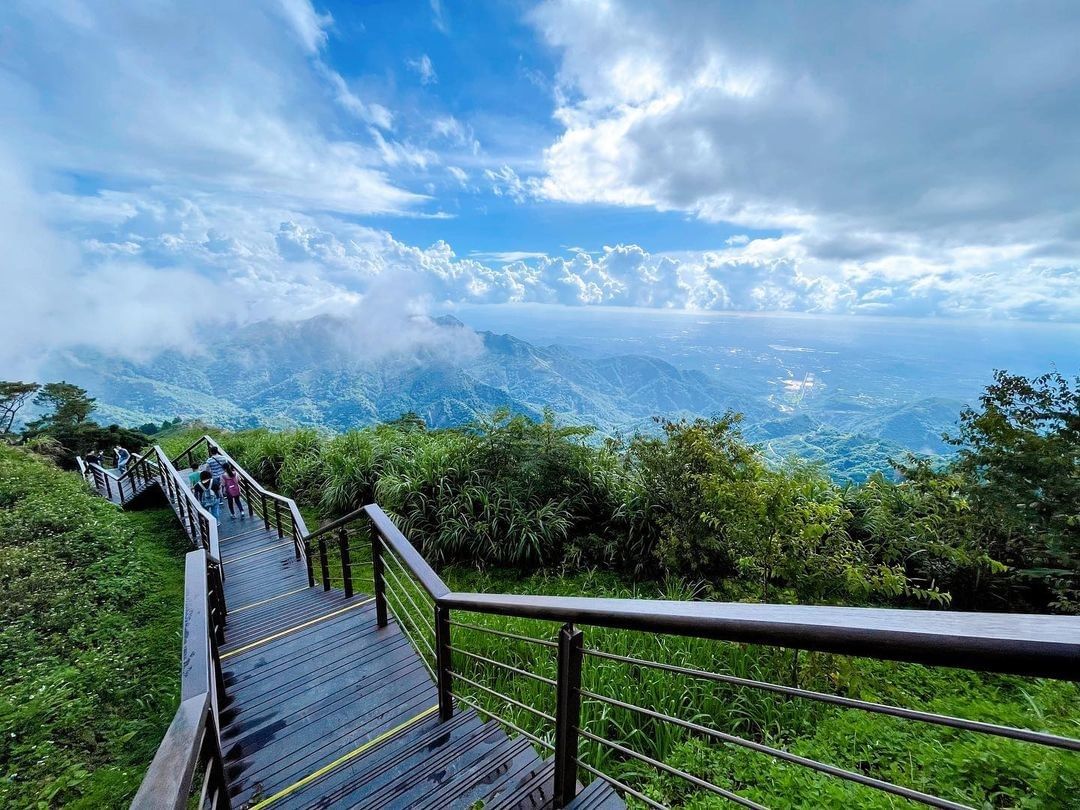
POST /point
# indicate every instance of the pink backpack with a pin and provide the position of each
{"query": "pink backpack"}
(232, 487)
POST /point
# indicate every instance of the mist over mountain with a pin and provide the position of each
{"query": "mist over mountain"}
(324, 372)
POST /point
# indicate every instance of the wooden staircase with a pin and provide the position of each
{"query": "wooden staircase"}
(322, 708)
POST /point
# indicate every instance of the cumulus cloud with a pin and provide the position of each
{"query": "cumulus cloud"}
(149, 153)
(149, 94)
(919, 129)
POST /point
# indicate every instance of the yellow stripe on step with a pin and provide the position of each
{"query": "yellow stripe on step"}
(374, 741)
(269, 599)
(283, 633)
(262, 550)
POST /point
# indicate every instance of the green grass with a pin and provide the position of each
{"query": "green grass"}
(89, 638)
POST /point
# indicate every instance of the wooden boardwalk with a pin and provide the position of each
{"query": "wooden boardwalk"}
(322, 708)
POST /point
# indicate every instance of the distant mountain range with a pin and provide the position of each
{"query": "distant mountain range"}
(316, 372)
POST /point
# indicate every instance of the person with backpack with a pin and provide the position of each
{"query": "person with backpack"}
(230, 483)
(204, 491)
(123, 456)
(216, 465)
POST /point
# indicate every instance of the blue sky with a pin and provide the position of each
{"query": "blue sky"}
(284, 158)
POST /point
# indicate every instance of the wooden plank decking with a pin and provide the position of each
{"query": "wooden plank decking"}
(322, 708)
(325, 709)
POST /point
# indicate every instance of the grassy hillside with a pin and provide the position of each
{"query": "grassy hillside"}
(89, 638)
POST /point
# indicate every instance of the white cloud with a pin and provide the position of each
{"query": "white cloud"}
(886, 136)
(438, 16)
(309, 26)
(506, 183)
(459, 174)
(424, 69)
(198, 96)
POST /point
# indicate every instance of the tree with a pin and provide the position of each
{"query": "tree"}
(1020, 456)
(67, 425)
(13, 395)
(69, 406)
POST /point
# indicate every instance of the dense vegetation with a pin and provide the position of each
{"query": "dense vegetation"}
(997, 528)
(512, 504)
(89, 638)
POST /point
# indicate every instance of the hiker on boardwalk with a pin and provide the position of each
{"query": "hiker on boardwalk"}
(123, 456)
(193, 476)
(216, 465)
(204, 491)
(230, 482)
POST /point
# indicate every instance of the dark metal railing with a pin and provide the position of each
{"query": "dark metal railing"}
(189, 762)
(427, 612)
(200, 525)
(276, 511)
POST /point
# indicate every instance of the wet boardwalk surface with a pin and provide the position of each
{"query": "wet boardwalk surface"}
(325, 709)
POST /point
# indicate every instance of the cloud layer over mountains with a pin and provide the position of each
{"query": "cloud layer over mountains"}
(167, 170)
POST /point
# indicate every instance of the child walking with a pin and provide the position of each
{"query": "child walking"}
(204, 491)
(230, 482)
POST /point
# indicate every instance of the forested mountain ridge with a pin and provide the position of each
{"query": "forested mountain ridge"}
(321, 372)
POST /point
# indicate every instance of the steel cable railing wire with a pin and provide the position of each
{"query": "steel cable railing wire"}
(508, 723)
(507, 667)
(400, 615)
(420, 592)
(505, 634)
(625, 788)
(419, 613)
(795, 759)
(975, 726)
(668, 769)
(506, 698)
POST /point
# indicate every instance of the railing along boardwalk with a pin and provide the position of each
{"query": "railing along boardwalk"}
(294, 694)
(298, 693)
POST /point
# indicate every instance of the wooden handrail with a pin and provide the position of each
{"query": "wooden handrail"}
(192, 739)
(168, 780)
(1020, 644)
(181, 487)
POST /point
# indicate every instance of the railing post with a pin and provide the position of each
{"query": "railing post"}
(108, 487)
(567, 715)
(217, 764)
(265, 511)
(192, 525)
(324, 563)
(307, 558)
(377, 575)
(442, 662)
(346, 562)
(277, 517)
